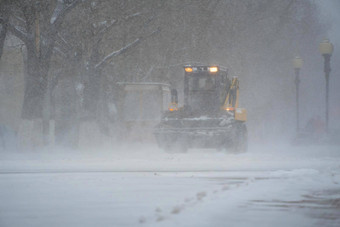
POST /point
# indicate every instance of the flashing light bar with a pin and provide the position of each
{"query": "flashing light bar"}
(211, 69)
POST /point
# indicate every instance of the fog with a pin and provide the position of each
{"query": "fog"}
(97, 45)
(87, 85)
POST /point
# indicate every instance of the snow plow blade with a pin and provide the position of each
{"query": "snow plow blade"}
(224, 134)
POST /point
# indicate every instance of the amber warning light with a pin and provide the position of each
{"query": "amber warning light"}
(173, 107)
(188, 69)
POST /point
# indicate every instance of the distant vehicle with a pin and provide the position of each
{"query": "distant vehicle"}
(140, 109)
(210, 117)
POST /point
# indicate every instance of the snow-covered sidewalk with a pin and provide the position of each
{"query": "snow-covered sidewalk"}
(143, 186)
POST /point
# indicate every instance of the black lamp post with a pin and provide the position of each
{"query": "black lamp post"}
(297, 63)
(326, 50)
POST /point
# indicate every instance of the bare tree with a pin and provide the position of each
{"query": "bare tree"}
(105, 31)
(37, 23)
(4, 18)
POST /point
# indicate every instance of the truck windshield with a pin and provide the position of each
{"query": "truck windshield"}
(201, 83)
(203, 95)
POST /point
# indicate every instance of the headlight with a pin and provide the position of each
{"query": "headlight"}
(213, 69)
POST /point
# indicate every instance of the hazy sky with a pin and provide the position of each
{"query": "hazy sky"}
(330, 10)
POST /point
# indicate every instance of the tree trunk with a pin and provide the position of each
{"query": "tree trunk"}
(35, 86)
(4, 18)
(92, 92)
(92, 85)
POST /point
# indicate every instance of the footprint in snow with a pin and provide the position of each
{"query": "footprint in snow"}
(158, 210)
(142, 220)
(201, 195)
(176, 210)
(160, 218)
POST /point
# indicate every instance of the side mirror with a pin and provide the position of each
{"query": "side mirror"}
(174, 96)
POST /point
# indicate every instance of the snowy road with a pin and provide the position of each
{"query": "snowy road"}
(279, 186)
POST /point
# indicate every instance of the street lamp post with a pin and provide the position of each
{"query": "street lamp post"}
(326, 50)
(297, 63)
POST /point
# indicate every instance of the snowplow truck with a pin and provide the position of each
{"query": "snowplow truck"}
(210, 116)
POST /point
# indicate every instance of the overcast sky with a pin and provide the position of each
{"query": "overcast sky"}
(330, 10)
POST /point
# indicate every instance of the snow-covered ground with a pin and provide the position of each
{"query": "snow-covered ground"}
(139, 185)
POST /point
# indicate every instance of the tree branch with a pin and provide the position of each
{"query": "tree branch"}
(132, 15)
(18, 33)
(118, 52)
(61, 9)
(106, 28)
(125, 48)
(4, 18)
(117, 22)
